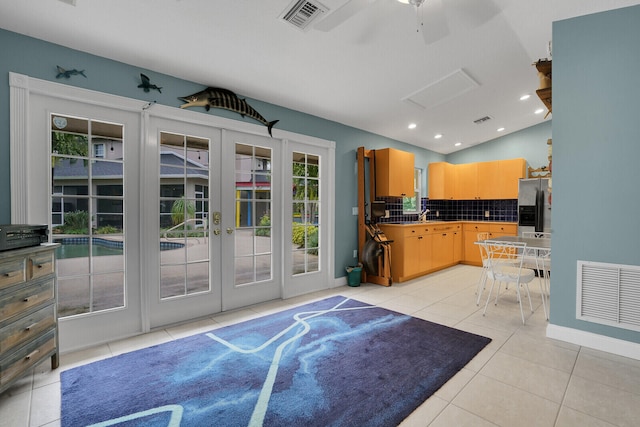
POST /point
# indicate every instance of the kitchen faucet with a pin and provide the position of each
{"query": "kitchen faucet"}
(423, 215)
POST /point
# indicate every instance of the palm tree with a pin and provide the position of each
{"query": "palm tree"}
(180, 208)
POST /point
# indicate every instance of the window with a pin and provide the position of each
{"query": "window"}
(411, 205)
(98, 150)
(306, 212)
(184, 247)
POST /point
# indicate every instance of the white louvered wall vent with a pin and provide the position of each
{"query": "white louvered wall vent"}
(609, 294)
(301, 13)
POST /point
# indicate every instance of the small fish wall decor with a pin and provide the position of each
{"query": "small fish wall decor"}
(215, 97)
(146, 84)
(68, 73)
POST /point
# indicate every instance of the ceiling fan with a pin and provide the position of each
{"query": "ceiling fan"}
(434, 16)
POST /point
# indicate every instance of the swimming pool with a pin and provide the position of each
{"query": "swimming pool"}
(78, 247)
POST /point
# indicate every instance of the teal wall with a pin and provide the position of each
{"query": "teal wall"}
(596, 152)
(529, 143)
(38, 59)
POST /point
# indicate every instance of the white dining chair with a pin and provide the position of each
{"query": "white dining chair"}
(484, 257)
(540, 260)
(505, 266)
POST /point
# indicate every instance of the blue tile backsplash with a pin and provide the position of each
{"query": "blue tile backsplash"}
(455, 210)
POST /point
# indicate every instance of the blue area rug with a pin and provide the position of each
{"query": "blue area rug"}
(335, 362)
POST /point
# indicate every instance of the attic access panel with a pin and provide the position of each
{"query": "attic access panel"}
(444, 90)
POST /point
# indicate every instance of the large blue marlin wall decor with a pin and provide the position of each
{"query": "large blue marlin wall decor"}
(215, 97)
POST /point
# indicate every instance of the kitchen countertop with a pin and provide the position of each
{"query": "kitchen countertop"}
(435, 222)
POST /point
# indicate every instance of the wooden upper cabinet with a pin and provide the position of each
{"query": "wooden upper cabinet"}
(512, 170)
(441, 181)
(476, 181)
(466, 186)
(394, 172)
(490, 181)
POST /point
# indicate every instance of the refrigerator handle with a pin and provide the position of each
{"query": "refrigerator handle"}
(539, 226)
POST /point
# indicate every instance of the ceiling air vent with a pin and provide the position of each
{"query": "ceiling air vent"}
(301, 13)
(482, 120)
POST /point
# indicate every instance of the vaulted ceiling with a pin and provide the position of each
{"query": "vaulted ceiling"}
(370, 69)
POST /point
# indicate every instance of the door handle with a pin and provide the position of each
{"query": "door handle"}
(216, 231)
(229, 230)
(216, 218)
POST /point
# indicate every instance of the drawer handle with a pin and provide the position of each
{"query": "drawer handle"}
(39, 265)
(30, 327)
(11, 274)
(27, 299)
(30, 355)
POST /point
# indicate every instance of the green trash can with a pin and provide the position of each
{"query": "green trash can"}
(353, 276)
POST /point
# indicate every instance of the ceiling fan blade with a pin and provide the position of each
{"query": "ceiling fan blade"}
(342, 14)
(432, 21)
(471, 13)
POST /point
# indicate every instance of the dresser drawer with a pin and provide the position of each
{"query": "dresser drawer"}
(12, 271)
(41, 265)
(15, 363)
(20, 300)
(26, 328)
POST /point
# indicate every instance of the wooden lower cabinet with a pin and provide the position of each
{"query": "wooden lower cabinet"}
(419, 249)
(471, 253)
(416, 256)
(446, 245)
(457, 245)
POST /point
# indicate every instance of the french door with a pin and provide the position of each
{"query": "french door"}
(252, 219)
(209, 206)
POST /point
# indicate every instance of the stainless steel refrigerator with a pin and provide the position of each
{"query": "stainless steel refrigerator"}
(534, 207)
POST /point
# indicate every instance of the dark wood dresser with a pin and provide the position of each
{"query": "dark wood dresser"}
(28, 319)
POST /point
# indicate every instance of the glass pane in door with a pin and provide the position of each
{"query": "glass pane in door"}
(87, 213)
(306, 207)
(253, 245)
(184, 215)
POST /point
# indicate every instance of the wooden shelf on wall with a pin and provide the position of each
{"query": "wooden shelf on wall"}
(544, 93)
(545, 97)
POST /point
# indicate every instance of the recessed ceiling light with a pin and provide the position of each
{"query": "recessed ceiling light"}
(458, 144)
(437, 136)
(525, 97)
(412, 125)
(500, 129)
(539, 111)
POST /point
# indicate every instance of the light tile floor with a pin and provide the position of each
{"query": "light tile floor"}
(521, 379)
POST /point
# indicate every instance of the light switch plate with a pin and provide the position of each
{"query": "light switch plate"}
(354, 210)
(486, 214)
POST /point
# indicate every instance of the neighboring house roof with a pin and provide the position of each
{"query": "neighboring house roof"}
(171, 165)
